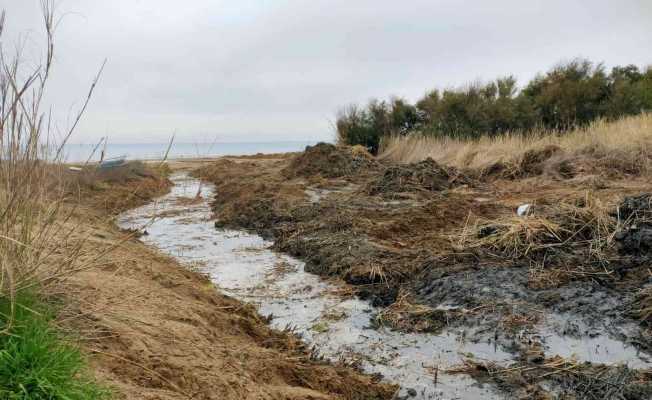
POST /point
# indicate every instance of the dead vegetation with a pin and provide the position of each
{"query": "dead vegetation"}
(34, 206)
(425, 175)
(583, 225)
(563, 379)
(329, 161)
(406, 316)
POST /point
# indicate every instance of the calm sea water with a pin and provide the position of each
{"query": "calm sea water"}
(153, 151)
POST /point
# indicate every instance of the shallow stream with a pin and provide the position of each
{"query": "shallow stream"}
(242, 265)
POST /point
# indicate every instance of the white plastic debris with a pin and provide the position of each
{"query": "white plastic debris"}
(76, 169)
(524, 209)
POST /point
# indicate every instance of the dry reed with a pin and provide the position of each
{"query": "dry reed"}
(627, 142)
(35, 220)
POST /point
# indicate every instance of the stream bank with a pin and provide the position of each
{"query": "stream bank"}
(153, 329)
(338, 325)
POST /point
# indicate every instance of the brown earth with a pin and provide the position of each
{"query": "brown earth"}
(155, 330)
(418, 236)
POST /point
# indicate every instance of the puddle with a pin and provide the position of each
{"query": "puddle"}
(584, 346)
(242, 266)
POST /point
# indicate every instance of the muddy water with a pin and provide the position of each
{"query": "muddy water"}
(242, 265)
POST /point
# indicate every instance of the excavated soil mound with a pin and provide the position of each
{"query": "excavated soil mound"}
(548, 160)
(329, 161)
(426, 175)
(533, 161)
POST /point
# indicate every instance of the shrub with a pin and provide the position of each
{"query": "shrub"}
(366, 126)
(568, 96)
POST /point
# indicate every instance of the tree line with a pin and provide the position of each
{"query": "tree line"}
(569, 95)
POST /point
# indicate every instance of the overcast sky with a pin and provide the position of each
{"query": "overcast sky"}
(244, 70)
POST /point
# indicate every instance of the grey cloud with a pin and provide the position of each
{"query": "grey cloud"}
(263, 70)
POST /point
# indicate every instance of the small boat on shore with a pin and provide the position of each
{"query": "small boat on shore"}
(112, 162)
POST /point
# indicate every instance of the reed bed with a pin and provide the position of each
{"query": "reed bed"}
(626, 142)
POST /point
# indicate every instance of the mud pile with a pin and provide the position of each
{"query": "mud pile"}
(329, 161)
(636, 236)
(426, 175)
(550, 160)
(249, 197)
(533, 161)
(328, 238)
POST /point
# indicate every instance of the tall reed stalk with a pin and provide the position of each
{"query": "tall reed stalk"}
(35, 218)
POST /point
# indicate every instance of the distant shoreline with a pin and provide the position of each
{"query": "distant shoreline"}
(79, 153)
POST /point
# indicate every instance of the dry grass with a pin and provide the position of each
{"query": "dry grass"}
(624, 144)
(561, 242)
(35, 214)
(584, 224)
(513, 236)
(540, 277)
(117, 189)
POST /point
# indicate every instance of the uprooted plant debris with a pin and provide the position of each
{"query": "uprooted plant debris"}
(425, 175)
(406, 316)
(119, 188)
(581, 231)
(329, 161)
(547, 160)
(563, 379)
(597, 240)
(441, 248)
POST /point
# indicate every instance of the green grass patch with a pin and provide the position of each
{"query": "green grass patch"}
(37, 363)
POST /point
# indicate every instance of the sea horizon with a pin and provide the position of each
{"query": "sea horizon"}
(82, 152)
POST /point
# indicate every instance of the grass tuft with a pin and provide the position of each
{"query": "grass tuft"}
(36, 363)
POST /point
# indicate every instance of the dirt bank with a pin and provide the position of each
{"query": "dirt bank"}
(155, 330)
(444, 248)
